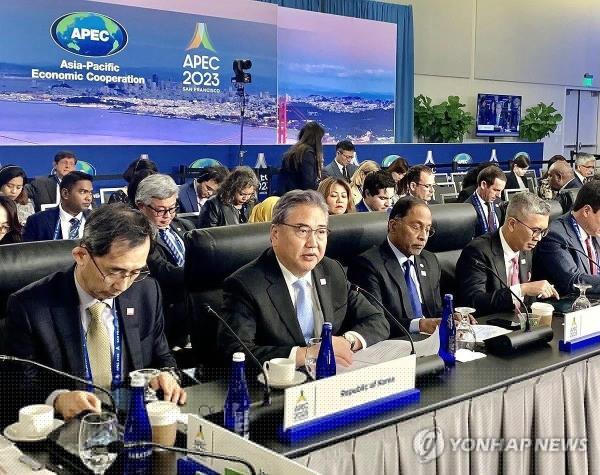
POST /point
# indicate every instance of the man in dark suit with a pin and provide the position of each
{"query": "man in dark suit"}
(378, 192)
(579, 230)
(279, 301)
(562, 180)
(193, 195)
(507, 252)
(44, 190)
(490, 183)
(156, 197)
(90, 320)
(585, 167)
(419, 181)
(342, 166)
(400, 272)
(67, 220)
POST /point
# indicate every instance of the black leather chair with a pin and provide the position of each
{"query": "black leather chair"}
(215, 253)
(24, 263)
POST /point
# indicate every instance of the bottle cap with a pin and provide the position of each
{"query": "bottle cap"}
(327, 324)
(239, 357)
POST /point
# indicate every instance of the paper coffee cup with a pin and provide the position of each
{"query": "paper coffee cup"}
(35, 420)
(280, 370)
(163, 419)
(542, 312)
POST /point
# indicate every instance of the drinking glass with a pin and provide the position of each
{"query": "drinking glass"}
(465, 335)
(96, 431)
(148, 374)
(582, 301)
(312, 352)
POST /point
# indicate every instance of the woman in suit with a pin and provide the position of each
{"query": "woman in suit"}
(10, 228)
(302, 163)
(515, 178)
(233, 202)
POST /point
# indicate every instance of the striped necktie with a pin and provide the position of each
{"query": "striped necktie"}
(98, 347)
(74, 229)
(174, 246)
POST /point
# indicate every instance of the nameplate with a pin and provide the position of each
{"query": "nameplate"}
(581, 323)
(208, 437)
(324, 397)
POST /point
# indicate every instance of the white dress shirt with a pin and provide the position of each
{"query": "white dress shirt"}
(509, 255)
(484, 206)
(65, 222)
(583, 235)
(290, 280)
(414, 323)
(580, 176)
(85, 302)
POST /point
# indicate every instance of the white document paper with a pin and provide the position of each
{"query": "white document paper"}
(463, 355)
(389, 350)
(483, 332)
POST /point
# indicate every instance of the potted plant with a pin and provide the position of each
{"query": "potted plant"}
(539, 122)
(441, 123)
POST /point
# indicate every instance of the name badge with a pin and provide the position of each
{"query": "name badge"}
(130, 312)
(323, 281)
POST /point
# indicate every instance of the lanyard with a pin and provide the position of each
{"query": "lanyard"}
(481, 213)
(116, 361)
(575, 227)
(57, 230)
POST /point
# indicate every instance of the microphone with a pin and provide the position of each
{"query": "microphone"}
(517, 340)
(267, 388)
(426, 365)
(370, 296)
(118, 446)
(62, 373)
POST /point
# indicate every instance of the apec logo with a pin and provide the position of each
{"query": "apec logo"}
(89, 34)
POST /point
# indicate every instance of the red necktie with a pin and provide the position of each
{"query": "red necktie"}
(514, 276)
(591, 256)
(490, 217)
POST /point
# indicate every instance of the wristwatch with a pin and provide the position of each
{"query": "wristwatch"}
(350, 338)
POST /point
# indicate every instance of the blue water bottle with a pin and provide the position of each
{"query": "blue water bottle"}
(137, 429)
(236, 413)
(326, 358)
(448, 332)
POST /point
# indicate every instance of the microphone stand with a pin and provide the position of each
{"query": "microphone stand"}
(118, 446)
(62, 373)
(267, 390)
(517, 339)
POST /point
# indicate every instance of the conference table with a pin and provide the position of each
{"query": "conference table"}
(509, 414)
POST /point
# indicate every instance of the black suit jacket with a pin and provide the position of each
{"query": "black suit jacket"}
(479, 229)
(305, 177)
(42, 191)
(216, 213)
(512, 183)
(258, 306)
(479, 288)
(564, 267)
(42, 225)
(378, 272)
(44, 324)
(171, 280)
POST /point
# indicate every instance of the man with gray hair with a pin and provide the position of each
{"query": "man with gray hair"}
(279, 301)
(508, 252)
(156, 197)
(585, 166)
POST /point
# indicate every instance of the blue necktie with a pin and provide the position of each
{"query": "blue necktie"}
(174, 246)
(304, 309)
(74, 229)
(415, 303)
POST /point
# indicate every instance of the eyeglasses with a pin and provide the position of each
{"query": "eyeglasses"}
(165, 211)
(136, 275)
(347, 157)
(429, 187)
(303, 231)
(418, 228)
(535, 232)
